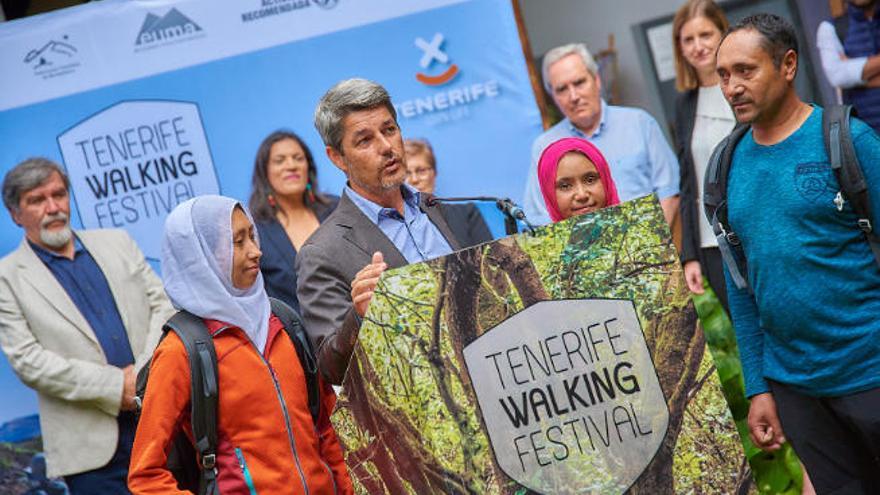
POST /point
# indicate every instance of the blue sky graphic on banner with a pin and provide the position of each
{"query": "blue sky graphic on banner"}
(147, 104)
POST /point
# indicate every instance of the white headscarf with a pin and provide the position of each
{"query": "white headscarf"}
(197, 267)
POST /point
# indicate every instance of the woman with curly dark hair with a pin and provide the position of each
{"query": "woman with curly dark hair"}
(287, 208)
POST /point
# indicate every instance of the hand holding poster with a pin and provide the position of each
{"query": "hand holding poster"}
(568, 361)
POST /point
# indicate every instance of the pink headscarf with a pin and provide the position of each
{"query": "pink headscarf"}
(549, 162)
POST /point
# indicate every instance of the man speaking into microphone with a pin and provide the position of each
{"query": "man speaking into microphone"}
(380, 222)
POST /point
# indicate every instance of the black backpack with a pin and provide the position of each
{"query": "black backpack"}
(194, 468)
(844, 163)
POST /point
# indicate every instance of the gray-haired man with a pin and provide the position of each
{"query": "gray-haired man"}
(380, 222)
(80, 313)
(640, 158)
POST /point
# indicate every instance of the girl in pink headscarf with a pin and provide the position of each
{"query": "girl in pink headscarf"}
(575, 179)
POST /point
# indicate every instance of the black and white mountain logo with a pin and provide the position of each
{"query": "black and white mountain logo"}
(53, 59)
(172, 27)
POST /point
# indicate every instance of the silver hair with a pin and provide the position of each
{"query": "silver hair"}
(28, 175)
(350, 95)
(557, 53)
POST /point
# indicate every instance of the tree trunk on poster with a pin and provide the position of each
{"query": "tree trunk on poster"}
(463, 279)
(507, 255)
(677, 350)
(400, 457)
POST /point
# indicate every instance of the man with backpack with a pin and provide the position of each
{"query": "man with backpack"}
(804, 283)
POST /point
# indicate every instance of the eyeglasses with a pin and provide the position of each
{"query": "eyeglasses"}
(420, 172)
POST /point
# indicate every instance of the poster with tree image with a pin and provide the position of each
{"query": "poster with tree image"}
(563, 361)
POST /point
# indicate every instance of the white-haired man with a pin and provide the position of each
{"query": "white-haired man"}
(640, 158)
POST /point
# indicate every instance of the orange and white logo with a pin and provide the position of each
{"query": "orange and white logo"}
(451, 101)
(433, 51)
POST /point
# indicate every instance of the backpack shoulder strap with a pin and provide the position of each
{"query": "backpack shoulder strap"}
(715, 181)
(841, 26)
(295, 329)
(715, 206)
(203, 370)
(845, 164)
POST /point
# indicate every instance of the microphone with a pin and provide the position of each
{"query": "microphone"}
(512, 209)
(512, 212)
(435, 200)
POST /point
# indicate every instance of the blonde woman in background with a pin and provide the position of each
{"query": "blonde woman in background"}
(702, 119)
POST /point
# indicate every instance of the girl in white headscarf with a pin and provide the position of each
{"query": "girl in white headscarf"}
(267, 440)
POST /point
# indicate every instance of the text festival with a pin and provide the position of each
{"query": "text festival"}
(590, 407)
(140, 171)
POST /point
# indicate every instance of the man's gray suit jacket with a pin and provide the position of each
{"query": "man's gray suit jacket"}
(325, 266)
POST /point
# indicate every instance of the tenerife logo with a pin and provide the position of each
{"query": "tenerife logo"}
(456, 99)
(430, 52)
(53, 59)
(172, 27)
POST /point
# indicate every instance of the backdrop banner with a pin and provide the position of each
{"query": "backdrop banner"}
(565, 361)
(148, 103)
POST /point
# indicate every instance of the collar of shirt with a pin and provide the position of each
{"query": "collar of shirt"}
(49, 256)
(373, 211)
(602, 115)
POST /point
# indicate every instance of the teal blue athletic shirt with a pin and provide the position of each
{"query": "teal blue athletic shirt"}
(814, 319)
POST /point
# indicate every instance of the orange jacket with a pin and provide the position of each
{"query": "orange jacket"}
(267, 441)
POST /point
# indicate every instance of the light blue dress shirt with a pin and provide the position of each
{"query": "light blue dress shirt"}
(632, 142)
(413, 234)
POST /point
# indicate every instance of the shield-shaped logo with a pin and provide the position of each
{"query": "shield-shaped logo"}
(569, 396)
(132, 163)
(814, 181)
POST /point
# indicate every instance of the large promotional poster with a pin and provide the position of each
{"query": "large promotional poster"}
(148, 103)
(560, 362)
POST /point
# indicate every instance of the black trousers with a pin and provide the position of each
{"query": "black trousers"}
(713, 270)
(836, 438)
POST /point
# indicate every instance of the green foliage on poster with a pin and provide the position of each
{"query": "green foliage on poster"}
(410, 421)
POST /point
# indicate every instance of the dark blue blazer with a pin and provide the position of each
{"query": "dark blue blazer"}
(279, 255)
(466, 223)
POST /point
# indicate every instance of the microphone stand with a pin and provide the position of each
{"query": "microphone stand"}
(511, 211)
